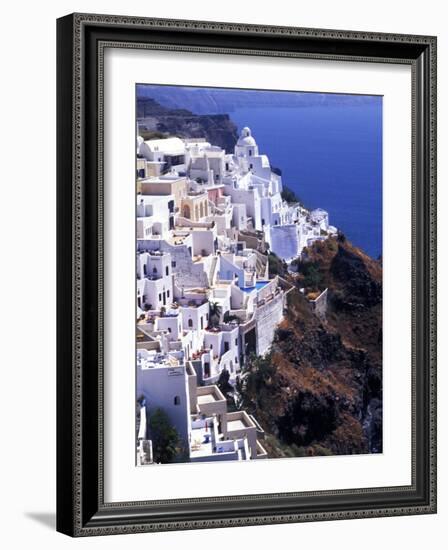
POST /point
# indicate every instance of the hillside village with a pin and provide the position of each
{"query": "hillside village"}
(206, 219)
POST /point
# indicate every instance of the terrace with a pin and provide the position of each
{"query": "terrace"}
(150, 359)
(201, 438)
(153, 314)
(257, 286)
(191, 303)
(239, 420)
(240, 425)
(211, 400)
(207, 444)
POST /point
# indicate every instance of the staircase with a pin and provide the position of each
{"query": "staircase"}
(212, 272)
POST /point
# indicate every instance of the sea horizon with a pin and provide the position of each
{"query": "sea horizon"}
(328, 147)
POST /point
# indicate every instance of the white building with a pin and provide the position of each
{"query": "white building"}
(164, 384)
(155, 215)
(320, 217)
(206, 430)
(166, 154)
(154, 281)
(204, 298)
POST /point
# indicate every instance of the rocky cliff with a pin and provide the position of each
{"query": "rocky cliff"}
(157, 121)
(319, 391)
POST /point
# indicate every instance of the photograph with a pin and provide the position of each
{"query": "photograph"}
(246, 273)
(259, 274)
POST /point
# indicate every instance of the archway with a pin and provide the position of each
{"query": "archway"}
(186, 211)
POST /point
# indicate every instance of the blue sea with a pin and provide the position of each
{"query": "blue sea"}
(327, 146)
(331, 156)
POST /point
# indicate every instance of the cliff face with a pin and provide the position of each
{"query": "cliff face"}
(319, 391)
(156, 120)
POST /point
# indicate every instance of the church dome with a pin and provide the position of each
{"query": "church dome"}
(246, 138)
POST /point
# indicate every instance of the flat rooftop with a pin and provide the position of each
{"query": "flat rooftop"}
(167, 178)
(208, 398)
(239, 420)
(209, 394)
(201, 442)
(236, 425)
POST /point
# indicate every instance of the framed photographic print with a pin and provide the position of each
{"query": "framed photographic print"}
(246, 274)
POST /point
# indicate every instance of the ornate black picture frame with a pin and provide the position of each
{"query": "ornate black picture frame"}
(81, 40)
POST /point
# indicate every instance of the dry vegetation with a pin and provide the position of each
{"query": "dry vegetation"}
(319, 391)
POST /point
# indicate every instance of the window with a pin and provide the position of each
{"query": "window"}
(236, 341)
(190, 323)
(202, 323)
(167, 293)
(236, 359)
(154, 270)
(251, 166)
(167, 270)
(177, 400)
(169, 330)
(173, 264)
(211, 346)
(226, 346)
(144, 269)
(250, 154)
(160, 297)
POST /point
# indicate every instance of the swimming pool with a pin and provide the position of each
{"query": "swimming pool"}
(258, 286)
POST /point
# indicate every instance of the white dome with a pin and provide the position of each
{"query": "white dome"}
(246, 138)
